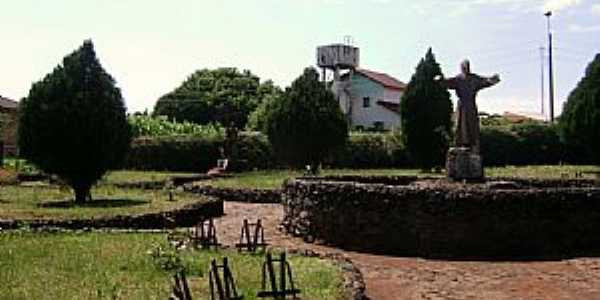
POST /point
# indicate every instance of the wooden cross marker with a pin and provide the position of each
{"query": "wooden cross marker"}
(222, 282)
(252, 236)
(280, 291)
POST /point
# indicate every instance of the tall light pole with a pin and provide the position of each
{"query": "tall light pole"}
(543, 88)
(550, 69)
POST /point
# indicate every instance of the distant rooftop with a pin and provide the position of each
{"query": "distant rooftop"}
(8, 103)
(383, 78)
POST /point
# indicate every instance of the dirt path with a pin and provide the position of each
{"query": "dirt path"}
(399, 278)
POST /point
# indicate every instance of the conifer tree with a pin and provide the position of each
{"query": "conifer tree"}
(306, 124)
(580, 120)
(425, 113)
(73, 122)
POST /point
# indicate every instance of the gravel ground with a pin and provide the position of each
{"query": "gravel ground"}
(401, 278)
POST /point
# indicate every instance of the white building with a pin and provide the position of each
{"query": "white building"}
(371, 100)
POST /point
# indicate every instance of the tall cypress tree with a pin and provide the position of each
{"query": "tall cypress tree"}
(306, 124)
(580, 120)
(73, 123)
(425, 112)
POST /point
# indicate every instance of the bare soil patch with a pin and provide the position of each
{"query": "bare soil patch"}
(404, 278)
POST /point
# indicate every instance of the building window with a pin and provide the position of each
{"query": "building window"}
(366, 102)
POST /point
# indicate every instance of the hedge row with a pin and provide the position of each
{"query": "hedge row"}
(371, 150)
(531, 144)
(500, 145)
(173, 154)
(198, 154)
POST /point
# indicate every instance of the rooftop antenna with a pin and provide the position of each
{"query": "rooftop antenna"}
(348, 40)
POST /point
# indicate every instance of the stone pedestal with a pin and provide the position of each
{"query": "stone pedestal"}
(462, 164)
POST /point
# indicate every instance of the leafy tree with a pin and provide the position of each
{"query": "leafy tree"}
(258, 118)
(225, 96)
(73, 123)
(306, 124)
(425, 114)
(146, 126)
(580, 120)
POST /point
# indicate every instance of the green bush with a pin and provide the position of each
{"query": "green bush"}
(539, 144)
(522, 144)
(501, 145)
(160, 126)
(252, 150)
(364, 150)
(371, 150)
(182, 154)
(498, 145)
(199, 154)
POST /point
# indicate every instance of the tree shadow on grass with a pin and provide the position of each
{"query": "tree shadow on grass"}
(96, 203)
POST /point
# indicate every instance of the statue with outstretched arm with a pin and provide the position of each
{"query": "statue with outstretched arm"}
(466, 85)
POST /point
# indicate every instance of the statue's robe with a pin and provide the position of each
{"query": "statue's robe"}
(467, 119)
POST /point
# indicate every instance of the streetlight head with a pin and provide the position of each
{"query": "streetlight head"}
(548, 14)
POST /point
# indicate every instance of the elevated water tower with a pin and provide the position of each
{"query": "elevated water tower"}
(340, 58)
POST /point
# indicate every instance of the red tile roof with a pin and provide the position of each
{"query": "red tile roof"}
(8, 103)
(384, 79)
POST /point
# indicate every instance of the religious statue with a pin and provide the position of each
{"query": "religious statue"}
(466, 86)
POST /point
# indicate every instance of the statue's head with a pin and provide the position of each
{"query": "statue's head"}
(465, 67)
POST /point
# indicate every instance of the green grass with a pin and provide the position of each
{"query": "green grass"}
(119, 266)
(51, 202)
(111, 177)
(19, 165)
(124, 176)
(274, 178)
(547, 172)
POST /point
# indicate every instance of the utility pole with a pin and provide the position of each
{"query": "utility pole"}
(550, 69)
(542, 90)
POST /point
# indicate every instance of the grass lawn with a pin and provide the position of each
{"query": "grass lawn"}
(119, 266)
(123, 176)
(542, 171)
(52, 202)
(274, 178)
(20, 165)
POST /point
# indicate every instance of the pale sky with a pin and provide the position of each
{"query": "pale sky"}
(150, 47)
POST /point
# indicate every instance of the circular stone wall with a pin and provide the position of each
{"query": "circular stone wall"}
(438, 218)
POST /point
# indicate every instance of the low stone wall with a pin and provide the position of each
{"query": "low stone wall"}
(186, 216)
(442, 221)
(238, 195)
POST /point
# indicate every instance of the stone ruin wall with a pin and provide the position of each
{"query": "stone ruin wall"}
(443, 222)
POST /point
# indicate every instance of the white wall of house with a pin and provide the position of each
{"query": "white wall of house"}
(363, 87)
(392, 95)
